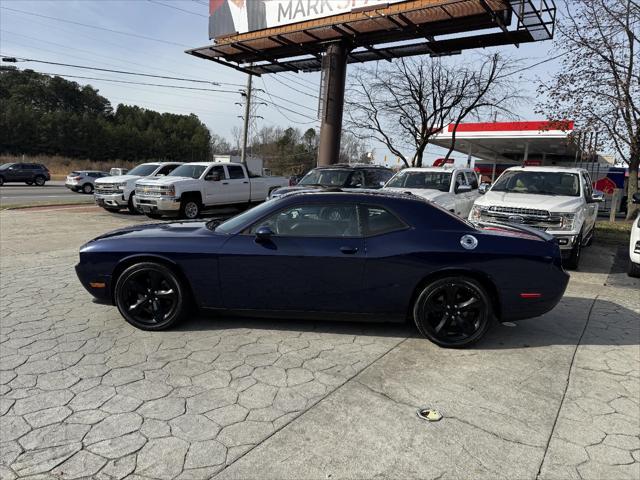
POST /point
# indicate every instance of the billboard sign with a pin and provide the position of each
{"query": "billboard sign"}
(228, 17)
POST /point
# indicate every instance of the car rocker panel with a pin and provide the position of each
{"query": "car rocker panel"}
(340, 255)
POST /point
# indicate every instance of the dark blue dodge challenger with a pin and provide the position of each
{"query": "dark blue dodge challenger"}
(366, 256)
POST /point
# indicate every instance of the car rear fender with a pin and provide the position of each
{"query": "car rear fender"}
(484, 279)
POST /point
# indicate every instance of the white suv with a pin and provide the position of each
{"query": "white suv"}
(559, 200)
(454, 189)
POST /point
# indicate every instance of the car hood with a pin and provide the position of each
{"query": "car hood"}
(157, 230)
(428, 194)
(552, 203)
(168, 180)
(117, 179)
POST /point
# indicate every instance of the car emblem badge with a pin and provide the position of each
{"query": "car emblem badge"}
(516, 219)
(469, 242)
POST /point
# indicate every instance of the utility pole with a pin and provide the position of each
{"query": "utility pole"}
(247, 112)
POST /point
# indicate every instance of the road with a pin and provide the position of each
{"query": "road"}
(54, 191)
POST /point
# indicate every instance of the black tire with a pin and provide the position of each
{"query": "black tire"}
(131, 207)
(190, 208)
(453, 312)
(633, 270)
(573, 260)
(1, 180)
(87, 188)
(150, 296)
(39, 180)
(112, 210)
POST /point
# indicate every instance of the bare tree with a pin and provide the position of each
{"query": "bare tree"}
(598, 84)
(404, 105)
(219, 145)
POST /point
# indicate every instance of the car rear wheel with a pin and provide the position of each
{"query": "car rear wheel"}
(87, 188)
(150, 296)
(453, 312)
(189, 208)
(39, 180)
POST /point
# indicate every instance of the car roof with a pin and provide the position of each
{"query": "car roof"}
(355, 195)
(546, 169)
(436, 169)
(352, 166)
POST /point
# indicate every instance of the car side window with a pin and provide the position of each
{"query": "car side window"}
(588, 188)
(460, 179)
(166, 170)
(219, 169)
(235, 172)
(356, 180)
(379, 220)
(314, 220)
(472, 180)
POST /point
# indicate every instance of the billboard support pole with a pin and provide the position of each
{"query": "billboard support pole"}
(334, 69)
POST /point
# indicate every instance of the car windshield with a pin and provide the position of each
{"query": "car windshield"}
(540, 183)
(422, 180)
(245, 218)
(326, 177)
(193, 171)
(4, 166)
(144, 170)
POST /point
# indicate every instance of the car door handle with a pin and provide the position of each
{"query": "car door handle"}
(245, 182)
(225, 183)
(349, 250)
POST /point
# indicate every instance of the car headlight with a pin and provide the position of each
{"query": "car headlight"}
(120, 186)
(567, 221)
(476, 213)
(168, 191)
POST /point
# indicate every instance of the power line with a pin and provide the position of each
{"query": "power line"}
(177, 8)
(279, 107)
(295, 79)
(272, 96)
(144, 37)
(529, 67)
(293, 88)
(124, 72)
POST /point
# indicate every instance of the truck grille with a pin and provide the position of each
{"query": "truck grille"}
(106, 188)
(531, 217)
(148, 191)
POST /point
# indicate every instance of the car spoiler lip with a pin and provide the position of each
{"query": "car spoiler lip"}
(522, 228)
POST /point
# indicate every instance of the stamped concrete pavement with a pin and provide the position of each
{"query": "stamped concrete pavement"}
(85, 395)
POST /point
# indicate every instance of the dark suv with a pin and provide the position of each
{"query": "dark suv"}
(28, 173)
(343, 176)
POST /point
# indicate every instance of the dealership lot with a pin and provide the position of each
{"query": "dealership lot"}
(85, 394)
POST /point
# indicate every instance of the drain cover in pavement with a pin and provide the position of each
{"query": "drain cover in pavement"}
(429, 414)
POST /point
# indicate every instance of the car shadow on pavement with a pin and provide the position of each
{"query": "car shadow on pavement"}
(609, 324)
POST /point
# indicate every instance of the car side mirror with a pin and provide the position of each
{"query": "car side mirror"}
(463, 188)
(597, 196)
(263, 234)
(484, 188)
(213, 177)
(636, 198)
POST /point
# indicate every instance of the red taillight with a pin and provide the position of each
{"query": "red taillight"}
(530, 295)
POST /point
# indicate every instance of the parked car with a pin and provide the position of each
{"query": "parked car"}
(346, 177)
(634, 243)
(195, 186)
(29, 173)
(116, 171)
(322, 255)
(560, 201)
(453, 189)
(116, 193)
(83, 180)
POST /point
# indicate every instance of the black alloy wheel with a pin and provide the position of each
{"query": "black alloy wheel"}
(453, 312)
(40, 180)
(87, 188)
(150, 296)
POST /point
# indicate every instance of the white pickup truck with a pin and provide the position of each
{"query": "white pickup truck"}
(116, 192)
(559, 200)
(454, 189)
(193, 187)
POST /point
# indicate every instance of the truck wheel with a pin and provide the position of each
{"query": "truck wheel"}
(576, 253)
(634, 269)
(189, 208)
(131, 207)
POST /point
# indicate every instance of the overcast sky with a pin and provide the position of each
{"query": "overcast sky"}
(177, 25)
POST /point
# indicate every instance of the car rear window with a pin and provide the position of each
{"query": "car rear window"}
(379, 220)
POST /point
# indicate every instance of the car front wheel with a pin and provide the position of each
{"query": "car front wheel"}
(87, 188)
(189, 208)
(150, 296)
(634, 269)
(40, 181)
(573, 260)
(453, 312)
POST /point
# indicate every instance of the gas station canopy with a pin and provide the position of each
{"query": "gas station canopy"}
(539, 142)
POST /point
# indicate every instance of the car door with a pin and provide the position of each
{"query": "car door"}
(214, 178)
(312, 262)
(472, 195)
(460, 196)
(15, 173)
(237, 185)
(591, 206)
